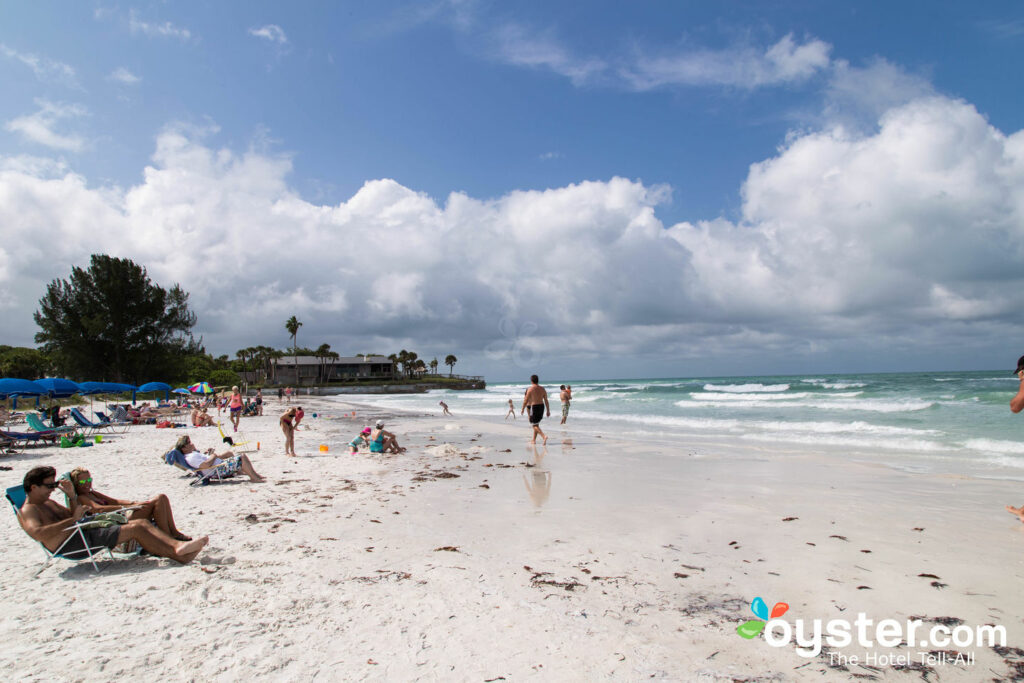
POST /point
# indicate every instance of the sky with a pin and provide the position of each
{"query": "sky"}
(583, 190)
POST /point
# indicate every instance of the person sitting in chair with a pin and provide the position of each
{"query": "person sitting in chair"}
(156, 510)
(51, 524)
(209, 460)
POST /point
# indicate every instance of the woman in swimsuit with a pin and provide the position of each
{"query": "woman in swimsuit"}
(289, 431)
(235, 403)
(157, 510)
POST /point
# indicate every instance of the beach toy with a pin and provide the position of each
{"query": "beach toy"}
(257, 445)
(314, 414)
(323, 448)
(99, 438)
(65, 442)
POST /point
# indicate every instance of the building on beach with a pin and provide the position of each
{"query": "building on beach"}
(310, 370)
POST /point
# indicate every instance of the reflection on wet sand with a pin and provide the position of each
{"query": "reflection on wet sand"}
(538, 482)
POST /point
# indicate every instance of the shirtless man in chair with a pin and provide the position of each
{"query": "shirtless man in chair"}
(48, 522)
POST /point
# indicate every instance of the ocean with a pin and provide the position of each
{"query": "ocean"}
(945, 422)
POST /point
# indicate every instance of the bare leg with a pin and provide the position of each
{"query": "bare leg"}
(1016, 511)
(248, 469)
(159, 511)
(156, 542)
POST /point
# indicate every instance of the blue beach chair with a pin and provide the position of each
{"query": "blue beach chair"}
(16, 496)
(228, 468)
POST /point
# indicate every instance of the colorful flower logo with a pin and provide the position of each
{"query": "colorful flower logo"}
(749, 629)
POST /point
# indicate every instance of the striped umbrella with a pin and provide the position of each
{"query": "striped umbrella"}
(201, 388)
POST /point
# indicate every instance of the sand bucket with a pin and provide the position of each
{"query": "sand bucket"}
(99, 438)
(257, 445)
(323, 448)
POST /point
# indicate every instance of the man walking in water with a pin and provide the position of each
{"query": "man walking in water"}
(1017, 405)
(537, 399)
(565, 397)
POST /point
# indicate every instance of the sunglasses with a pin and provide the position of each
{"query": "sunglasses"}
(85, 481)
(50, 486)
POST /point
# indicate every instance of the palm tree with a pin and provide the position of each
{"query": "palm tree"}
(293, 325)
(450, 361)
(433, 366)
(323, 352)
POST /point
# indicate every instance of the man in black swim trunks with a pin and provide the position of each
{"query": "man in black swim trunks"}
(536, 398)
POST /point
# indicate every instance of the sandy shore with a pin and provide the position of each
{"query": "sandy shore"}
(475, 557)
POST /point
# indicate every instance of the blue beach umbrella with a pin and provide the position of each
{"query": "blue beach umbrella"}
(56, 387)
(105, 388)
(180, 391)
(154, 387)
(91, 388)
(14, 387)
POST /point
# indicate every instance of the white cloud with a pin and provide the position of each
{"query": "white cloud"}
(270, 32)
(858, 96)
(123, 75)
(39, 127)
(164, 30)
(908, 236)
(742, 66)
(516, 45)
(46, 70)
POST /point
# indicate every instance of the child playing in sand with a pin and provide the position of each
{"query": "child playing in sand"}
(360, 440)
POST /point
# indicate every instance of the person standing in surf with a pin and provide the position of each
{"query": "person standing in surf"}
(1017, 405)
(565, 397)
(536, 399)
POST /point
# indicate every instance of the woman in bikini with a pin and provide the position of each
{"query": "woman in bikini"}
(289, 431)
(157, 510)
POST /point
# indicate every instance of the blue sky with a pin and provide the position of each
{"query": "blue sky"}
(599, 189)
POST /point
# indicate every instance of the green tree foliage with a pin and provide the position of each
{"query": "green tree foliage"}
(110, 322)
(450, 361)
(222, 378)
(23, 362)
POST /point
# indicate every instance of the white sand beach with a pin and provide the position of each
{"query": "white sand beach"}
(475, 557)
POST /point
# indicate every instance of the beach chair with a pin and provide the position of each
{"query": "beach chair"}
(112, 424)
(226, 469)
(26, 438)
(238, 442)
(88, 425)
(16, 496)
(35, 423)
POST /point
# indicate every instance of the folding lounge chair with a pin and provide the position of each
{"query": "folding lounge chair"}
(238, 442)
(25, 438)
(87, 424)
(221, 472)
(112, 424)
(37, 425)
(16, 496)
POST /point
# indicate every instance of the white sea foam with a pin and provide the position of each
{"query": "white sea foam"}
(843, 385)
(868, 405)
(859, 442)
(746, 388)
(995, 446)
(716, 396)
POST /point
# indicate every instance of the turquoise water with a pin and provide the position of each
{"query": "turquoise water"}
(941, 421)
